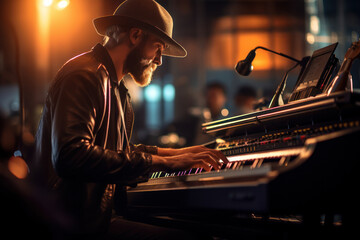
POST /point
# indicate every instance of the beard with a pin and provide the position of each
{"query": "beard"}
(139, 68)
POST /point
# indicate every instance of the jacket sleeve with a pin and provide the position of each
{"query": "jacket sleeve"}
(77, 107)
(144, 148)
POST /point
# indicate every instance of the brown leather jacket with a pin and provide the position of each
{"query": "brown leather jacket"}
(78, 154)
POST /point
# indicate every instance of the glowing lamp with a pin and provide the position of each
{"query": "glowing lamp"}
(62, 4)
(47, 3)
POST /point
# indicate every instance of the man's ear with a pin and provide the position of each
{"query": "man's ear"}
(135, 35)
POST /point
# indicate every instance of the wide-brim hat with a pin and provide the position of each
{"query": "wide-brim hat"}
(147, 15)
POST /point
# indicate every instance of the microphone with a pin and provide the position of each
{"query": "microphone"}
(244, 67)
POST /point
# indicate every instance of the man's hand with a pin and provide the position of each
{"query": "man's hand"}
(190, 157)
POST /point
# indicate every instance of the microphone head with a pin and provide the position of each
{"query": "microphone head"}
(244, 67)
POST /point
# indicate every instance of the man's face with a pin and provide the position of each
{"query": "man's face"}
(144, 59)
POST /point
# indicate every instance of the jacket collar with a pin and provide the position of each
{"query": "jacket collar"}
(102, 55)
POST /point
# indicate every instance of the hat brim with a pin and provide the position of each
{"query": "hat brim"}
(174, 49)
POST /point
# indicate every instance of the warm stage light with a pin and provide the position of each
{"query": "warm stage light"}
(62, 4)
(18, 167)
(224, 112)
(310, 38)
(42, 41)
(47, 3)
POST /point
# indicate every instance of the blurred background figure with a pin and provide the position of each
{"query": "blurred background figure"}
(245, 100)
(215, 97)
(188, 128)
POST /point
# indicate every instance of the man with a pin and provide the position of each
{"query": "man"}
(82, 144)
(216, 98)
(189, 125)
(245, 100)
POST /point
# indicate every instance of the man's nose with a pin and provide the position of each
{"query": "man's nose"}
(158, 58)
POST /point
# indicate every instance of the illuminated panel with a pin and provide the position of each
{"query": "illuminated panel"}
(248, 41)
(152, 94)
(220, 52)
(233, 38)
(169, 92)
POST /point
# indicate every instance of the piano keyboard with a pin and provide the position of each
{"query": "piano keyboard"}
(219, 175)
(252, 156)
(239, 166)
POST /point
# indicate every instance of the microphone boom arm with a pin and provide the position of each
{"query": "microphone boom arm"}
(281, 54)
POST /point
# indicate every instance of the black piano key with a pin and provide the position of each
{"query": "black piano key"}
(223, 165)
(198, 170)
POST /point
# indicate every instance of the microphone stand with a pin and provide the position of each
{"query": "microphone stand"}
(275, 101)
(279, 91)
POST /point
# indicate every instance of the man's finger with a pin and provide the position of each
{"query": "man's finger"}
(217, 153)
(203, 164)
(210, 159)
(220, 155)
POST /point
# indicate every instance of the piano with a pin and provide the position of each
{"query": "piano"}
(292, 165)
(301, 158)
